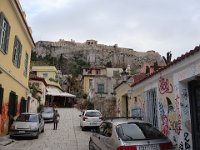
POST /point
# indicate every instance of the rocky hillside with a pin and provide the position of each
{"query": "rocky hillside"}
(96, 54)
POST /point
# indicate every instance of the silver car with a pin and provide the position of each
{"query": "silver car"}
(47, 114)
(128, 134)
(27, 125)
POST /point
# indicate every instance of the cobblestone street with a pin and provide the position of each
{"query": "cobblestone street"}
(68, 136)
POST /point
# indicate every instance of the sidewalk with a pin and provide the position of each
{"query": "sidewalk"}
(5, 140)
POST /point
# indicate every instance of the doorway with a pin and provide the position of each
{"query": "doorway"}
(194, 96)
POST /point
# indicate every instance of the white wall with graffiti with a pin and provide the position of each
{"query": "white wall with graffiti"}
(168, 98)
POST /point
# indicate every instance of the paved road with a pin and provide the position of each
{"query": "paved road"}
(68, 136)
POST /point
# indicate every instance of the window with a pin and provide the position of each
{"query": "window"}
(17, 51)
(26, 65)
(4, 33)
(90, 83)
(100, 88)
(12, 106)
(23, 105)
(45, 75)
(138, 131)
(98, 71)
(1, 98)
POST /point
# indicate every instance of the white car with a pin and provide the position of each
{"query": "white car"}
(90, 118)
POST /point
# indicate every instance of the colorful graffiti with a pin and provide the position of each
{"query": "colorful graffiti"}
(165, 86)
(164, 120)
(4, 117)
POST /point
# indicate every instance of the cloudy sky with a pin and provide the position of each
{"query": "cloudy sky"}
(160, 25)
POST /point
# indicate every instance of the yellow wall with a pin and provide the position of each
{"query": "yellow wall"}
(50, 70)
(86, 84)
(121, 93)
(136, 100)
(13, 78)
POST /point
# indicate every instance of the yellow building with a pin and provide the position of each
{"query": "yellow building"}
(88, 76)
(49, 73)
(16, 43)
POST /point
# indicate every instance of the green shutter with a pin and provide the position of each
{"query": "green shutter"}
(1, 21)
(15, 104)
(19, 55)
(14, 51)
(7, 39)
(1, 98)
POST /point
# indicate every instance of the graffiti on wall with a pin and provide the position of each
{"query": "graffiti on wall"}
(165, 86)
(4, 117)
(136, 111)
(164, 120)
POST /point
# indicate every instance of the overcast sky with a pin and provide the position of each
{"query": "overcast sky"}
(160, 25)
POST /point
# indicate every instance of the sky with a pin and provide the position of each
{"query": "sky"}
(142, 25)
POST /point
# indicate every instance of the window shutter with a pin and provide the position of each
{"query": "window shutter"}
(15, 104)
(7, 39)
(14, 51)
(19, 55)
(10, 105)
(1, 21)
(1, 98)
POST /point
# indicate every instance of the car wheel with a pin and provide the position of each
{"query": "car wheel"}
(83, 128)
(91, 146)
(42, 130)
(38, 132)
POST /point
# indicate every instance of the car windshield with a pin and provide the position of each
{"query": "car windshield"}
(47, 110)
(92, 114)
(138, 131)
(27, 118)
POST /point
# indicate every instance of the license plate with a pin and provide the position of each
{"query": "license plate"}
(149, 147)
(21, 131)
(93, 123)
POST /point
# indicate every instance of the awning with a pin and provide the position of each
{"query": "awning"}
(54, 91)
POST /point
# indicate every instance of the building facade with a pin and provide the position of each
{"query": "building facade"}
(16, 44)
(169, 99)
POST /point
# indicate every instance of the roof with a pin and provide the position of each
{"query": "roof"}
(24, 20)
(117, 121)
(36, 78)
(177, 60)
(54, 91)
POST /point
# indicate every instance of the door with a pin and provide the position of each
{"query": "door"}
(194, 94)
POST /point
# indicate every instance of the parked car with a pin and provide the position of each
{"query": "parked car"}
(90, 118)
(47, 114)
(128, 134)
(27, 125)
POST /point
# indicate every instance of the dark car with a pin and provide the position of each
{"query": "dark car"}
(47, 114)
(27, 125)
(128, 134)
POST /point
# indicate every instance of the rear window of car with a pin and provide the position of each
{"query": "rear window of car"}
(92, 114)
(138, 131)
(27, 118)
(47, 109)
